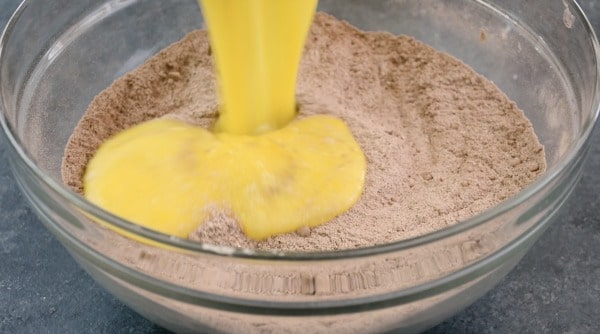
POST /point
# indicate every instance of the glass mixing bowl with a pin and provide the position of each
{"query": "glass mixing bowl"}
(57, 55)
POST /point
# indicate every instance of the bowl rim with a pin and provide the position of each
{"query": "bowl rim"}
(466, 275)
(114, 221)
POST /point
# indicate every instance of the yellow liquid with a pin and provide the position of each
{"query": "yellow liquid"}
(257, 46)
(273, 173)
(171, 173)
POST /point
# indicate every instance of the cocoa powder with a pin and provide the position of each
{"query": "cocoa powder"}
(442, 143)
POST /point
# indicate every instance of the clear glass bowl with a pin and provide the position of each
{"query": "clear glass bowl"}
(57, 55)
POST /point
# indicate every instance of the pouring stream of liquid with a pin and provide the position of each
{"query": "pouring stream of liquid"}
(269, 172)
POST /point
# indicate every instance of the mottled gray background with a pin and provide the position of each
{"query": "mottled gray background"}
(555, 289)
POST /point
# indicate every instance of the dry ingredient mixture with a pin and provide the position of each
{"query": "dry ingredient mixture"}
(442, 143)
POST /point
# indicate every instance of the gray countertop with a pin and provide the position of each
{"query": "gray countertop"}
(555, 288)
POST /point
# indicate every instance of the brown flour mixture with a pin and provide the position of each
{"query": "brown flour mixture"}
(442, 143)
